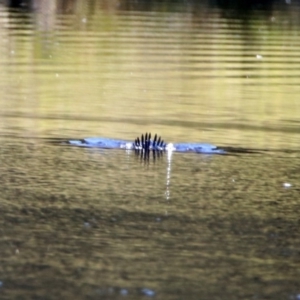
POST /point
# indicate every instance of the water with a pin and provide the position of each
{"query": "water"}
(89, 224)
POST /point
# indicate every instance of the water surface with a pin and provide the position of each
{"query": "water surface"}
(92, 224)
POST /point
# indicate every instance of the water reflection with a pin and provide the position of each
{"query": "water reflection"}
(67, 6)
(192, 73)
(75, 216)
(90, 223)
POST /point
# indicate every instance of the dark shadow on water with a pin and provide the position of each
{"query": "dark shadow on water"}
(239, 8)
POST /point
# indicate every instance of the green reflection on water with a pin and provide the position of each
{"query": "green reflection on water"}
(222, 81)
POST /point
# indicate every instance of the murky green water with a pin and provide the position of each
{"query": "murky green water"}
(103, 224)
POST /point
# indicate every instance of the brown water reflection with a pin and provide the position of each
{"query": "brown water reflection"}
(84, 223)
(90, 224)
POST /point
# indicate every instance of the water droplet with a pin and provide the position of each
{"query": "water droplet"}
(287, 185)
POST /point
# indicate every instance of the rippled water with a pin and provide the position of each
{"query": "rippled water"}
(97, 224)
